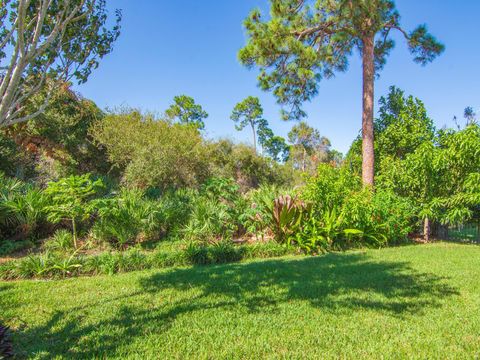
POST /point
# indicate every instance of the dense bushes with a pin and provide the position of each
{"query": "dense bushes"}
(142, 184)
(343, 214)
(331, 212)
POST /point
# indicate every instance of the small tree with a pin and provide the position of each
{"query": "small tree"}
(304, 41)
(186, 111)
(249, 112)
(69, 197)
(57, 39)
(307, 142)
(273, 145)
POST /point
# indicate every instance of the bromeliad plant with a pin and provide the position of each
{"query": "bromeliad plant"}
(285, 215)
(70, 200)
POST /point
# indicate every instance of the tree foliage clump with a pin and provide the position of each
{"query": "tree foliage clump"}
(58, 142)
(49, 40)
(152, 152)
(434, 169)
(185, 111)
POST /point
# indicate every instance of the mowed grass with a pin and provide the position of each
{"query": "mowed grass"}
(407, 302)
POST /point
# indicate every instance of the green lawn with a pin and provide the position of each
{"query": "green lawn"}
(408, 302)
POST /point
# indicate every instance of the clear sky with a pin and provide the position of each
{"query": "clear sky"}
(172, 47)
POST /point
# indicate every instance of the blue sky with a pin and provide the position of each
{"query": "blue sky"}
(190, 47)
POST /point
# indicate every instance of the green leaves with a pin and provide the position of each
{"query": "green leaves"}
(303, 42)
(69, 198)
(286, 214)
(186, 111)
(424, 46)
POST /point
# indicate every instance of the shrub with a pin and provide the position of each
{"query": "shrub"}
(8, 247)
(124, 218)
(153, 152)
(256, 217)
(345, 215)
(177, 207)
(134, 214)
(61, 240)
(210, 221)
(69, 197)
(22, 209)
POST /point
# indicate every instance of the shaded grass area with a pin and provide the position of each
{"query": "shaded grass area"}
(406, 302)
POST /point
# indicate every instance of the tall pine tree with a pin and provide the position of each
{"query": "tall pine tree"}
(304, 41)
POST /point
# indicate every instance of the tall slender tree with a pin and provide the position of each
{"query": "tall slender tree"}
(304, 41)
(249, 112)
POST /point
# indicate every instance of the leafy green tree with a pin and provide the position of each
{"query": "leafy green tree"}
(249, 112)
(69, 198)
(186, 111)
(401, 127)
(58, 140)
(61, 40)
(275, 146)
(435, 170)
(308, 147)
(304, 41)
(150, 152)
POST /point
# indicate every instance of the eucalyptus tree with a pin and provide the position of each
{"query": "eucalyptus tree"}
(58, 40)
(186, 111)
(304, 41)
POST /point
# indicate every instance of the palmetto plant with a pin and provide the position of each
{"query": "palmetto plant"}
(60, 241)
(210, 220)
(122, 219)
(22, 207)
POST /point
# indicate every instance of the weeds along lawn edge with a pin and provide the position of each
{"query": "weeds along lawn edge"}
(52, 266)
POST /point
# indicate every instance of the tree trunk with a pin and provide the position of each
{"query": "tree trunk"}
(426, 229)
(254, 138)
(368, 156)
(304, 157)
(74, 229)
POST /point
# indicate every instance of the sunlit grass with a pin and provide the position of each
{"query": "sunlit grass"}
(406, 302)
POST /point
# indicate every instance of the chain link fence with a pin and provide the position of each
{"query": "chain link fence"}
(466, 233)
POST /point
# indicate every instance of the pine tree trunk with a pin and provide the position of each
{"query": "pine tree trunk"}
(368, 156)
(254, 139)
(426, 229)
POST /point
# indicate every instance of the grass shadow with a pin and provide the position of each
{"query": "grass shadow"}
(338, 283)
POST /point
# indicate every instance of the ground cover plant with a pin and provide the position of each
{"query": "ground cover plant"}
(403, 302)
